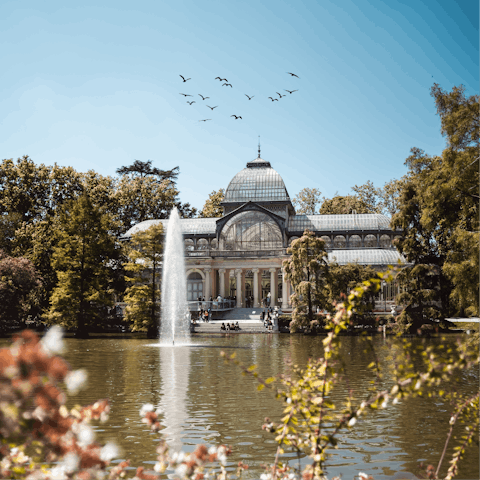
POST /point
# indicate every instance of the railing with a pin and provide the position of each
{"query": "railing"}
(214, 305)
(235, 253)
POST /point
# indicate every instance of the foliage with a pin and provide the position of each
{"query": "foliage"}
(341, 279)
(370, 196)
(439, 206)
(19, 282)
(142, 296)
(212, 207)
(306, 270)
(312, 423)
(142, 169)
(342, 205)
(84, 258)
(307, 201)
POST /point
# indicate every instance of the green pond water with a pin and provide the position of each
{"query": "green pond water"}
(206, 401)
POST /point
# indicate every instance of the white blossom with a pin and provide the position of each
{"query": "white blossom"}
(109, 452)
(181, 470)
(85, 435)
(395, 401)
(75, 380)
(58, 473)
(212, 450)
(70, 463)
(148, 407)
(52, 341)
(362, 476)
(352, 421)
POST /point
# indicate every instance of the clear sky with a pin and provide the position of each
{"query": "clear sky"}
(96, 85)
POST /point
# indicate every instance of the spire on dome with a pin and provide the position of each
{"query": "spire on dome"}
(258, 146)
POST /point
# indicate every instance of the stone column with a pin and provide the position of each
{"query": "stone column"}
(208, 283)
(273, 293)
(284, 290)
(255, 287)
(221, 279)
(238, 292)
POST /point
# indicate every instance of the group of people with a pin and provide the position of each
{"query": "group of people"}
(229, 326)
(269, 317)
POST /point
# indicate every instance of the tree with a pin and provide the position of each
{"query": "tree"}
(339, 205)
(341, 279)
(390, 196)
(18, 283)
(84, 256)
(370, 196)
(307, 271)
(307, 201)
(142, 296)
(212, 207)
(142, 169)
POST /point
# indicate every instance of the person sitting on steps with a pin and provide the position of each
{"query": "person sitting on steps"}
(237, 326)
(223, 326)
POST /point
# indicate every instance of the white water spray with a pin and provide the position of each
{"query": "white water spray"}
(175, 319)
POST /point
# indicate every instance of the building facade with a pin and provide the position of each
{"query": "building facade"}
(240, 254)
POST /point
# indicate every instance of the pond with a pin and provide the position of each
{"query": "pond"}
(204, 400)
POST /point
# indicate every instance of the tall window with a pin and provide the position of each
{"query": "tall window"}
(251, 231)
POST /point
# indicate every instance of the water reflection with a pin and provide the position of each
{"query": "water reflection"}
(174, 374)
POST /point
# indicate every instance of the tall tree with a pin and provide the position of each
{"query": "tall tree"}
(370, 196)
(83, 258)
(306, 269)
(142, 296)
(212, 207)
(18, 283)
(307, 201)
(342, 205)
(142, 169)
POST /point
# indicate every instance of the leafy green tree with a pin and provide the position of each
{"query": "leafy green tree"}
(83, 257)
(306, 269)
(142, 169)
(341, 279)
(390, 196)
(18, 283)
(142, 296)
(212, 207)
(370, 196)
(341, 205)
(307, 201)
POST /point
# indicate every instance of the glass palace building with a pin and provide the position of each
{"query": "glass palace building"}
(240, 254)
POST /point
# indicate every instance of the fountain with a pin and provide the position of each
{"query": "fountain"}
(175, 318)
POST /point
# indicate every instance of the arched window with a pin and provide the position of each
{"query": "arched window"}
(355, 241)
(188, 244)
(202, 244)
(194, 286)
(339, 241)
(214, 244)
(370, 241)
(385, 241)
(251, 231)
(327, 240)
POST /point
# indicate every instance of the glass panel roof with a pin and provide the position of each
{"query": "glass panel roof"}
(374, 256)
(366, 221)
(256, 184)
(189, 226)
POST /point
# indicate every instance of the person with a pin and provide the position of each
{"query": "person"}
(228, 326)
(269, 297)
(206, 315)
(219, 298)
(263, 315)
(232, 326)
(223, 326)
(237, 326)
(211, 299)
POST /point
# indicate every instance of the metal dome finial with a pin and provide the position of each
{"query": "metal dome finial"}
(258, 146)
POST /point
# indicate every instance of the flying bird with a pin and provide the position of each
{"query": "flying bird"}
(237, 117)
(273, 99)
(291, 91)
(206, 120)
(203, 98)
(216, 78)
(211, 108)
(280, 95)
(227, 84)
(249, 97)
(185, 95)
(191, 102)
(293, 75)
(185, 80)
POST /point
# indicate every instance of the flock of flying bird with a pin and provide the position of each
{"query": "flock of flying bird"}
(226, 84)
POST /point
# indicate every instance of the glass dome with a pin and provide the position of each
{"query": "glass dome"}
(251, 231)
(259, 182)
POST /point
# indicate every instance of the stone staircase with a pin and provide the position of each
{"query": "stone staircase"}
(247, 318)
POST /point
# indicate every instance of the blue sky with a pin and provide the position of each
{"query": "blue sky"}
(96, 85)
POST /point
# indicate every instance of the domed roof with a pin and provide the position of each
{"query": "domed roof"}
(259, 182)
